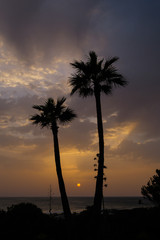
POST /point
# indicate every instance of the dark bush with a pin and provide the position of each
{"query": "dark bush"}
(152, 190)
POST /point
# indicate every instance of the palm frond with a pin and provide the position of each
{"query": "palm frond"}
(119, 81)
(99, 65)
(92, 59)
(38, 107)
(110, 76)
(115, 78)
(40, 120)
(60, 102)
(36, 119)
(79, 83)
(79, 79)
(59, 106)
(80, 66)
(107, 89)
(49, 104)
(67, 116)
(85, 92)
(110, 61)
(74, 89)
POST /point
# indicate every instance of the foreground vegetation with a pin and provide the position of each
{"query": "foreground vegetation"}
(26, 221)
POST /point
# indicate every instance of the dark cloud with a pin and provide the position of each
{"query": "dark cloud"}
(147, 152)
(132, 32)
(16, 128)
(46, 27)
(78, 135)
(85, 107)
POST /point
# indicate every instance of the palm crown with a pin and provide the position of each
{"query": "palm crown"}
(95, 76)
(52, 112)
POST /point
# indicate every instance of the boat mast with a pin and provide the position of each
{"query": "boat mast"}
(50, 200)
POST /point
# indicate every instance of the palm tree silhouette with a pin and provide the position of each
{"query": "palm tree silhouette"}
(94, 77)
(52, 113)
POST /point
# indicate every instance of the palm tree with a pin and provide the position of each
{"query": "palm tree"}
(94, 77)
(52, 113)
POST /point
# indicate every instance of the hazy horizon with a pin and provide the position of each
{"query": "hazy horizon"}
(58, 196)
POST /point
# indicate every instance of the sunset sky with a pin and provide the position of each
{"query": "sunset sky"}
(38, 41)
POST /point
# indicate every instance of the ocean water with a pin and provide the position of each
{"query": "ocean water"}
(77, 204)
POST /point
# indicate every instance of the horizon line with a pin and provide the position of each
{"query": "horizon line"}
(116, 196)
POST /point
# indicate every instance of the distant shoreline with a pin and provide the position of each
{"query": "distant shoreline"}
(70, 196)
(77, 204)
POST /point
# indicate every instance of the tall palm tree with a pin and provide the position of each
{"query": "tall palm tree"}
(94, 77)
(51, 114)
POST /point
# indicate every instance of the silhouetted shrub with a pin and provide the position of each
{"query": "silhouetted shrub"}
(24, 220)
(25, 210)
(152, 190)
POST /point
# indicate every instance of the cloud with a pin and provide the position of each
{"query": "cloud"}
(46, 27)
(78, 135)
(20, 140)
(146, 152)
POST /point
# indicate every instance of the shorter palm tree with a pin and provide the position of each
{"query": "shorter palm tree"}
(51, 114)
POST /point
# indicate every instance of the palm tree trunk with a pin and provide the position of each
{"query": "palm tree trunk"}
(99, 183)
(64, 199)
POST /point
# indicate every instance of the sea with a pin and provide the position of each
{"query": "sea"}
(77, 204)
